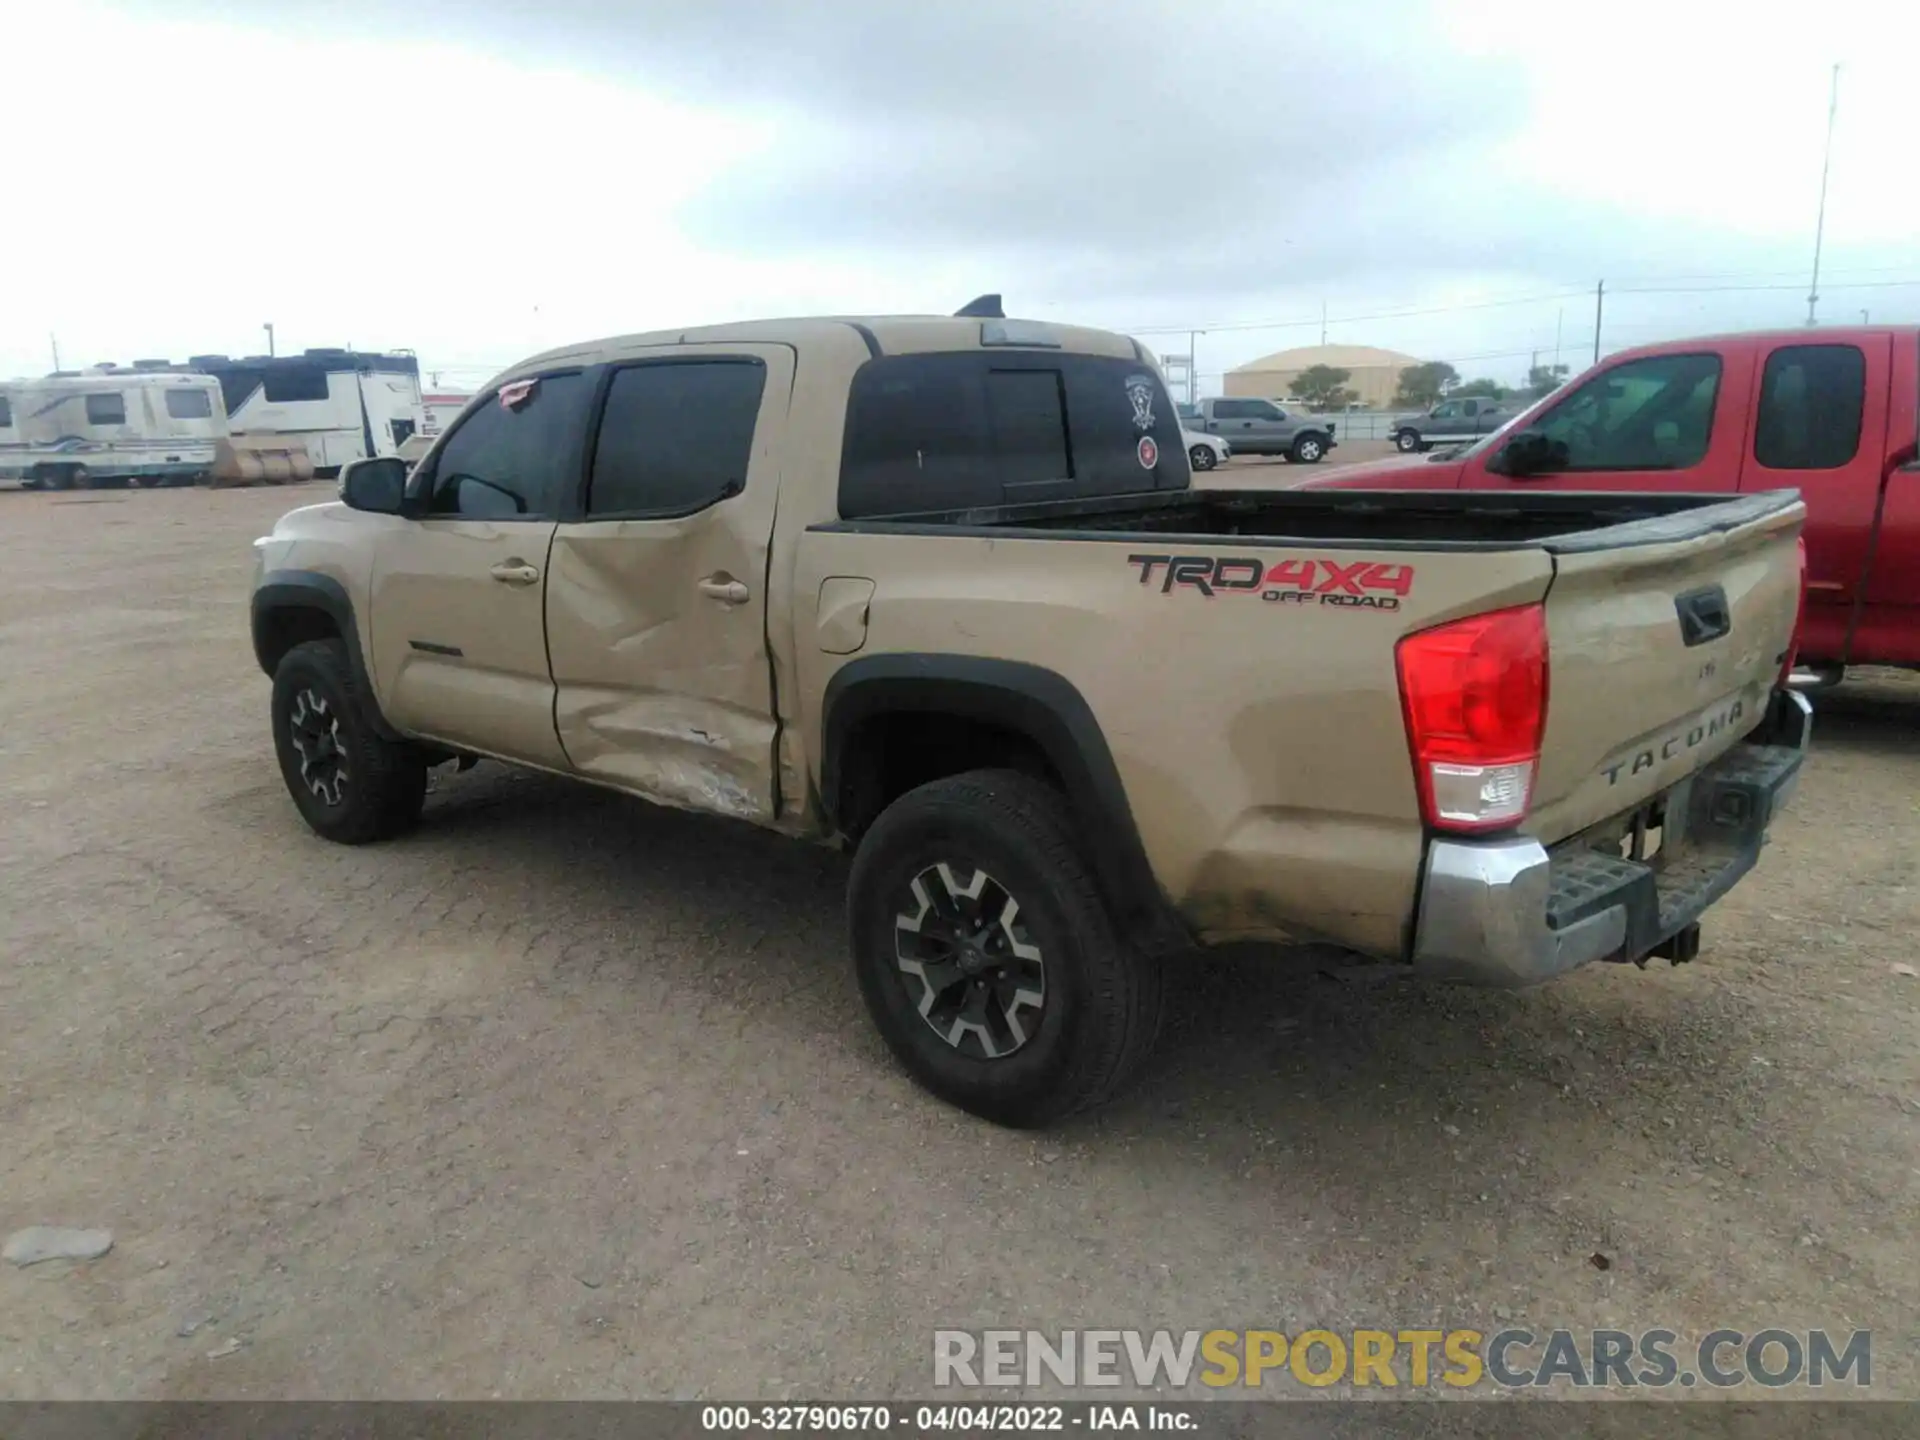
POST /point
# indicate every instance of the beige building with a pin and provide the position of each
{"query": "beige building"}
(1375, 372)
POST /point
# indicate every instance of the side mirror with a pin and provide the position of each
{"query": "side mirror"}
(1532, 452)
(377, 486)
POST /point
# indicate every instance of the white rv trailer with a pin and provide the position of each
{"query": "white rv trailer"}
(341, 404)
(110, 425)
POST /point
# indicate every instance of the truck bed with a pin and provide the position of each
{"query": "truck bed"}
(1560, 522)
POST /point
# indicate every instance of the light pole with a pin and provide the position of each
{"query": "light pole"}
(1193, 368)
(268, 327)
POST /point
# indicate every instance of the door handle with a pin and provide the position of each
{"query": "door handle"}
(729, 592)
(515, 572)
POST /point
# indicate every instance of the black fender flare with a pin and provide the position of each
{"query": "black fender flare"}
(282, 590)
(1032, 701)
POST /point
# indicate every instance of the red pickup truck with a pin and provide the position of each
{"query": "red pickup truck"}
(1832, 412)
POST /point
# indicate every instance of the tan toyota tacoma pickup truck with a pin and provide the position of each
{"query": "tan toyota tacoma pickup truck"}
(940, 589)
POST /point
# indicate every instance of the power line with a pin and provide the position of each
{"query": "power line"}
(1744, 289)
(1505, 302)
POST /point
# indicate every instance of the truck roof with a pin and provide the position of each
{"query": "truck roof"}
(877, 334)
(1800, 334)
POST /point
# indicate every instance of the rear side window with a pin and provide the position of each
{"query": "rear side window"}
(675, 437)
(509, 459)
(1811, 397)
(108, 409)
(189, 404)
(965, 429)
(1232, 410)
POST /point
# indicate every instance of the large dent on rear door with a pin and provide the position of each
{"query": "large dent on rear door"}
(691, 755)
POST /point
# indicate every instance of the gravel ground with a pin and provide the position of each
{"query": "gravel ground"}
(566, 1096)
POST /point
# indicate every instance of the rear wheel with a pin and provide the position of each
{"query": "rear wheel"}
(350, 783)
(986, 956)
(54, 477)
(1201, 457)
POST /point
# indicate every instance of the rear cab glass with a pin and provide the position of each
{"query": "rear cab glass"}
(970, 429)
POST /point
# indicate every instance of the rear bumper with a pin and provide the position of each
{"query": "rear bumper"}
(1509, 913)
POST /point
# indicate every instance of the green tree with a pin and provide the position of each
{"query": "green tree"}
(1421, 386)
(1323, 387)
(1543, 380)
(1485, 388)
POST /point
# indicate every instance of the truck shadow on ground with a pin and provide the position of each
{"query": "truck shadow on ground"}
(1877, 714)
(1253, 1035)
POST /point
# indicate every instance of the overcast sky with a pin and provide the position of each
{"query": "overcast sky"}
(476, 179)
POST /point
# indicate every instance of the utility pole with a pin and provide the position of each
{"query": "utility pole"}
(1863, 317)
(268, 327)
(1558, 321)
(1193, 373)
(1820, 222)
(1323, 323)
(1599, 304)
(54, 341)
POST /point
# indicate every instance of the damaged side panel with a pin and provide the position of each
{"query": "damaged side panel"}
(657, 624)
(674, 749)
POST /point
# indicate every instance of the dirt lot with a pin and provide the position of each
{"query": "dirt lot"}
(565, 1096)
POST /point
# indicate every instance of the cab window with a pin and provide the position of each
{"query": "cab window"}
(190, 404)
(107, 409)
(511, 456)
(675, 437)
(965, 429)
(1811, 397)
(1654, 413)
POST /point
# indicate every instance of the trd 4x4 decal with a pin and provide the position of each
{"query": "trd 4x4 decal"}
(1356, 584)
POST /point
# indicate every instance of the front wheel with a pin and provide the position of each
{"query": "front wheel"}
(986, 955)
(351, 784)
(1407, 441)
(1309, 449)
(1201, 457)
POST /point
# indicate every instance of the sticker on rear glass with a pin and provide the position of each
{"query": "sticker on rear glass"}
(1140, 396)
(1148, 452)
(513, 396)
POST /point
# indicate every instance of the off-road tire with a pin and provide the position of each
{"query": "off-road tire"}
(385, 783)
(1101, 1013)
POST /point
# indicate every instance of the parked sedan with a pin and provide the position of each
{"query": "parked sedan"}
(1204, 452)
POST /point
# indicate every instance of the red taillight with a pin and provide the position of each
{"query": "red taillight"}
(1475, 696)
(1799, 618)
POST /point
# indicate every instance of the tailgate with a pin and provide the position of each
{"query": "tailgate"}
(1666, 638)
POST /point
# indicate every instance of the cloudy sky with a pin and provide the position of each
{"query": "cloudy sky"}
(475, 179)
